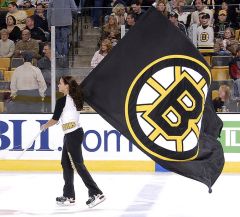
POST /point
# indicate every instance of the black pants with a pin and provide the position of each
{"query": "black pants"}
(72, 159)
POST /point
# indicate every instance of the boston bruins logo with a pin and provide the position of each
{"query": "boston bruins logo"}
(164, 107)
(204, 37)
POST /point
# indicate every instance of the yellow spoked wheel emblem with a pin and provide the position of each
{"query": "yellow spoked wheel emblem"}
(164, 107)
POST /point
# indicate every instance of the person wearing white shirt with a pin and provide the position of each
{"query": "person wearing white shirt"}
(105, 48)
(201, 8)
(205, 33)
(7, 46)
(27, 88)
(20, 15)
(67, 111)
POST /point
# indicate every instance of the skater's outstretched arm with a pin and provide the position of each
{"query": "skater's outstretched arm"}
(50, 123)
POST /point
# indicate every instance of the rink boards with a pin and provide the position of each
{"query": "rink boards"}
(104, 148)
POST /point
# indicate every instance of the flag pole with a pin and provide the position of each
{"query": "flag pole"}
(29, 144)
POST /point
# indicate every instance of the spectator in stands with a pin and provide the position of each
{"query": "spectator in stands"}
(40, 17)
(222, 102)
(112, 3)
(171, 5)
(231, 12)
(205, 33)
(26, 3)
(27, 88)
(45, 65)
(105, 48)
(45, 62)
(173, 17)
(13, 30)
(27, 44)
(201, 8)
(184, 17)
(130, 21)
(136, 9)
(59, 14)
(20, 15)
(227, 45)
(120, 14)
(221, 24)
(7, 46)
(234, 66)
(111, 27)
(161, 6)
(210, 4)
(36, 33)
(113, 38)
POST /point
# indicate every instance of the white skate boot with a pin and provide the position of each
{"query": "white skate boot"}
(65, 201)
(95, 200)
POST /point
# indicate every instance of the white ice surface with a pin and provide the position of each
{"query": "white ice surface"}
(128, 195)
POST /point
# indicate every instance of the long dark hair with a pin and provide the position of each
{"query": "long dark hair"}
(13, 18)
(75, 91)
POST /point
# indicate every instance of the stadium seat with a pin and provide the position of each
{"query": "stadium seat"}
(214, 94)
(220, 61)
(15, 62)
(237, 35)
(1, 107)
(208, 59)
(4, 86)
(2, 74)
(8, 75)
(5, 63)
(220, 73)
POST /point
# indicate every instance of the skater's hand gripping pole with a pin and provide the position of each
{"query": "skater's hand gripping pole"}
(29, 144)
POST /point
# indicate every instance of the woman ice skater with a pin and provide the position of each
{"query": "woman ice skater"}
(67, 110)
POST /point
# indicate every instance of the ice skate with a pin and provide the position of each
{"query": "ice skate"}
(95, 200)
(65, 201)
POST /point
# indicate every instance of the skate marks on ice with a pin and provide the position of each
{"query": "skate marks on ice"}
(146, 198)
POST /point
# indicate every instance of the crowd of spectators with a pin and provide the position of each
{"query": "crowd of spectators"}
(212, 26)
(28, 32)
(206, 23)
(25, 35)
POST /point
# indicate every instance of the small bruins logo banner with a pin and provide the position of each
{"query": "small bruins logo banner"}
(168, 96)
(153, 88)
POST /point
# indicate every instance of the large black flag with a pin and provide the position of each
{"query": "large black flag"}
(153, 88)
